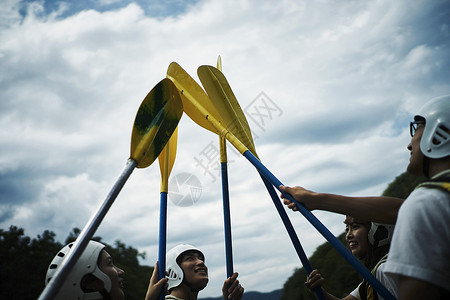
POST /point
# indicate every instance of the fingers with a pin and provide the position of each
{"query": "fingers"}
(314, 280)
(288, 190)
(156, 286)
(160, 284)
(154, 277)
(232, 289)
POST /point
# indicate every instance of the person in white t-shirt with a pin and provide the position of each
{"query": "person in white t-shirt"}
(420, 254)
(419, 257)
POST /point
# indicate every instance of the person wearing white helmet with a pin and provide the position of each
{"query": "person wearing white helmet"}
(369, 242)
(420, 253)
(94, 276)
(187, 275)
(419, 257)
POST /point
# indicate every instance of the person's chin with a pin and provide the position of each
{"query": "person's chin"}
(203, 283)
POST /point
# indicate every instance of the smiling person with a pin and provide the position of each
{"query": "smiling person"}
(419, 258)
(188, 275)
(369, 242)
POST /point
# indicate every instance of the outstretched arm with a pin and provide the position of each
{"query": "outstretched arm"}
(155, 286)
(232, 289)
(377, 209)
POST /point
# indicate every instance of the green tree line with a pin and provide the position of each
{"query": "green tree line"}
(24, 261)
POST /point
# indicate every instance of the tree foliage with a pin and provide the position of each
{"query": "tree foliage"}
(340, 277)
(24, 262)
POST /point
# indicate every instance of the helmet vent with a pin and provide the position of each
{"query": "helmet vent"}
(53, 266)
(441, 135)
(60, 254)
(172, 274)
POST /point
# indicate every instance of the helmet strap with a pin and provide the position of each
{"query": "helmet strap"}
(426, 166)
(105, 294)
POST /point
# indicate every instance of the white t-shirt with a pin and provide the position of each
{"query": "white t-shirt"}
(389, 282)
(420, 245)
(172, 298)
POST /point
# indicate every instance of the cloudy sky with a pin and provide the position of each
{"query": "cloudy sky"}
(328, 87)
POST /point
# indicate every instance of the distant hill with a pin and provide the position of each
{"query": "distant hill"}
(274, 295)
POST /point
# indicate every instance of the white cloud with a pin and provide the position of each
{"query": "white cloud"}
(345, 76)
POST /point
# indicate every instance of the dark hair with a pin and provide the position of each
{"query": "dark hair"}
(373, 256)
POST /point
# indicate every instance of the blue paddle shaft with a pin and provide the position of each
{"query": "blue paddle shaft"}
(162, 239)
(227, 219)
(363, 271)
(292, 234)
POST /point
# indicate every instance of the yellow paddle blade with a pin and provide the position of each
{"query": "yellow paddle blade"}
(156, 120)
(192, 96)
(222, 97)
(219, 63)
(222, 140)
(167, 159)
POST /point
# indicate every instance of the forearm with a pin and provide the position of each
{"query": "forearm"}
(377, 209)
(411, 289)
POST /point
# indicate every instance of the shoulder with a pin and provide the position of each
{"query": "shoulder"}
(425, 200)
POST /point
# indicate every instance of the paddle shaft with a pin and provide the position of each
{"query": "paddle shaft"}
(227, 219)
(363, 271)
(165, 161)
(86, 234)
(292, 234)
(162, 239)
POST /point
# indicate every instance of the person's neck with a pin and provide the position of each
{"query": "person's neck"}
(438, 166)
(184, 292)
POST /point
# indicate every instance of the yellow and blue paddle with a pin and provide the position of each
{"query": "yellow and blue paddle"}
(173, 71)
(223, 98)
(166, 161)
(225, 197)
(156, 120)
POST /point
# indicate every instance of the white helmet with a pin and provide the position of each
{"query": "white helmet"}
(175, 273)
(86, 264)
(435, 142)
(380, 234)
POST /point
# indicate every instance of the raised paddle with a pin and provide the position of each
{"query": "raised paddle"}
(166, 160)
(202, 111)
(225, 197)
(223, 98)
(156, 119)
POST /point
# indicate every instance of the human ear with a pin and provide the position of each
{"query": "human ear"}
(90, 283)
